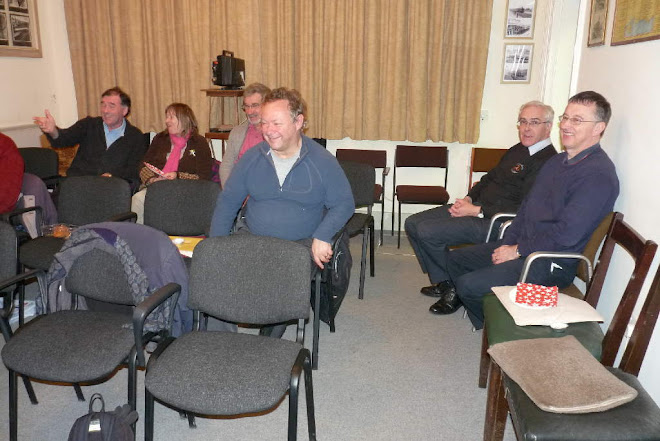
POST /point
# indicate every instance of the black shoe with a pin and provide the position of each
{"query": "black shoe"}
(437, 290)
(448, 304)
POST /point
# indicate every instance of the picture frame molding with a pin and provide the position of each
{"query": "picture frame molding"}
(601, 42)
(528, 77)
(532, 24)
(10, 50)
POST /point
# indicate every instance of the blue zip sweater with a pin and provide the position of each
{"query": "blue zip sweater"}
(314, 201)
(566, 203)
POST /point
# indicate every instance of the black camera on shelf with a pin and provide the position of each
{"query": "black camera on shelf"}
(228, 71)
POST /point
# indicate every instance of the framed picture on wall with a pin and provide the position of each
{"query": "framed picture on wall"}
(517, 64)
(635, 21)
(520, 19)
(597, 23)
(19, 29)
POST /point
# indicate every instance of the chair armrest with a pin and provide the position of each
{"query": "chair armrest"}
(128, 216)
(497, 217)
(552, 254)
(52, 181)
(8, 307)
(9, 216)
(146, 307)
(386, 171)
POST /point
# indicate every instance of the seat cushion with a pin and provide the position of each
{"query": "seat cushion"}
(501, 328)
(421, 194)
(38, 253)
(70, 346)
(638, 420)
(223, 373)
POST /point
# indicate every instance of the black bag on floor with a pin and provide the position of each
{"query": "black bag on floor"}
(104, 426)
(335, 279)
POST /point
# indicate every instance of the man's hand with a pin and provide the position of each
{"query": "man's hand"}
(505, 253)
(464, 207)
(107, 175)
(321, 252)
(47, 124)
(169, 175)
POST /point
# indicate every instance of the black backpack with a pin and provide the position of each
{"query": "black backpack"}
(104, 426)
(335, 279)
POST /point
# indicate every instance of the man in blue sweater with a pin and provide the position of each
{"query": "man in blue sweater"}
(573, 192)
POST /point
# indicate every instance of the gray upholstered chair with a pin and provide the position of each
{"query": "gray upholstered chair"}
(76, 346)
(361, 177)
(42, 162)
(82, 200)
(244, 279)
(9, 288)
(181, 207)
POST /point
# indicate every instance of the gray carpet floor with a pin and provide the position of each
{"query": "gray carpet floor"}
(391, 371)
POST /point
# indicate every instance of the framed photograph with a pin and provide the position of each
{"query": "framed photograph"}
(520, 19)
(517, 64)
(19, 29)
(635, 21)
(597, 23)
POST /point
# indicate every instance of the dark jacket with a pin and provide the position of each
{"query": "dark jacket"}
(121, 159)
(503, 188)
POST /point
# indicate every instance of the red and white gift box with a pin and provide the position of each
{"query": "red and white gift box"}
(536, 295)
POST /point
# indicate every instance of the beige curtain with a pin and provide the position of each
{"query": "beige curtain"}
(368, 69)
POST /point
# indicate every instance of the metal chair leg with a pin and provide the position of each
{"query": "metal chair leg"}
(79, 392)
(398, 243)
(309, 397)
(13, 406)
(363, 260)
(372, 268)
(148, 416)
(317, 321)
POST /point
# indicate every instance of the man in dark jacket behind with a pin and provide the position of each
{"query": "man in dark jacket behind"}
(108, 144)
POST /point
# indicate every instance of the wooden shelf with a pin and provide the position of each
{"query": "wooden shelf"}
(223, 92)
(217, 135)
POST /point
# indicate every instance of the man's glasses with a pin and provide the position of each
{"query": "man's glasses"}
(532, 122)
(574, 120)
(245, 107)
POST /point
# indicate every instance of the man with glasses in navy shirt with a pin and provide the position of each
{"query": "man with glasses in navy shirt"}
(573, 192)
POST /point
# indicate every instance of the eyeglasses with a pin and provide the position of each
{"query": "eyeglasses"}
(531, 122)
(245, 107)
(574, 120)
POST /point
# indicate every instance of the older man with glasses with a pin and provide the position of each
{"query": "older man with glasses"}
(247, 134)
(573, 192)
(501, 190)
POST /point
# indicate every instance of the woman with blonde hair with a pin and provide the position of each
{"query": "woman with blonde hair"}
(178, 152)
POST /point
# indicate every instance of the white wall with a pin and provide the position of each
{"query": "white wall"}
(628, 77)
(30, 85)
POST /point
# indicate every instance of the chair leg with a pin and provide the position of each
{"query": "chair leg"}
(382, 219)
(372, 268)
(132, 384)
(317, 321)
(363, 260)
(497, 407)
(79, 392)
(309, 398)
(398, 243)
(148, 416)
(484, 361)
(191, 421)
(293, 405)
(7, 333)
(13, 406)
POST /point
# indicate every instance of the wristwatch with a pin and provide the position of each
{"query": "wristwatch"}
(481, 213)
(518, 252)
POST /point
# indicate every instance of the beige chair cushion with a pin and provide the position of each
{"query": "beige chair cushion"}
(559, 375)
(568, 310)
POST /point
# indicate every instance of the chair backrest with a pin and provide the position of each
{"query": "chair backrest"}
(8, 244)
(633, 356)
(361, 177)
(88, 199)
(421, 156)
(593, 245)
(642, 252)
(246, 278)
(100, 276)
(484, 160)
(375, 158)
(182, 207)
(40, 161)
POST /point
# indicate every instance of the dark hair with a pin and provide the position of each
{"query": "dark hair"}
(603, 108)
(186, 117)
(297, 105)
(123, 97)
